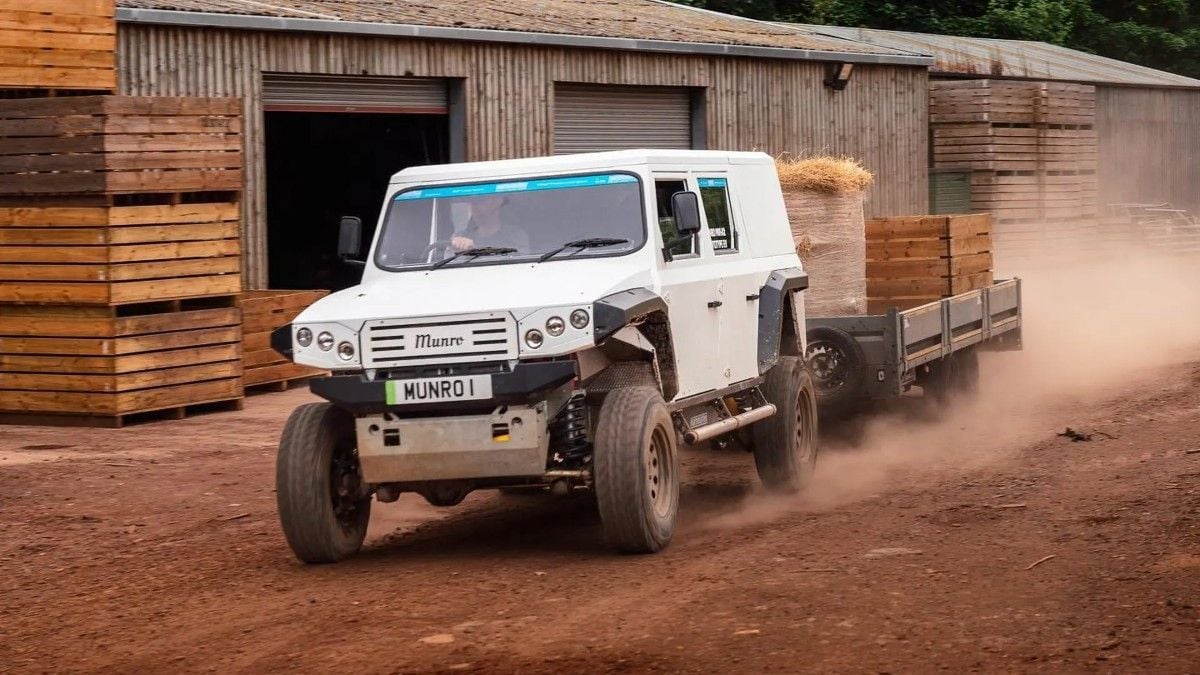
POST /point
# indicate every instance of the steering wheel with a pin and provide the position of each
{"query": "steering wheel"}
(433, 247)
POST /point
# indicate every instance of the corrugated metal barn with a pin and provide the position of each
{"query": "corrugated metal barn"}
(1148, 121)
(339, 95)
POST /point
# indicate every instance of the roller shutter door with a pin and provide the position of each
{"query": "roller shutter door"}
(324, 93)
(591, 118)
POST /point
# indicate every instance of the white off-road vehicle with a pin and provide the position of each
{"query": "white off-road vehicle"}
(557, 323)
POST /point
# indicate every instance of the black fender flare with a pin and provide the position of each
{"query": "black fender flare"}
(613, 312)
(772, 308)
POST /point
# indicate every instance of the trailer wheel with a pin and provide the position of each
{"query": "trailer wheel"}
(323, 507)
(636, 470)
(785, 445)
(968, 372)
(940, 379)
(955, 375)
(838, 366)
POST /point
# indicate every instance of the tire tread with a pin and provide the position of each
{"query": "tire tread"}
(301, 475)
(774, 457)
(620, 433)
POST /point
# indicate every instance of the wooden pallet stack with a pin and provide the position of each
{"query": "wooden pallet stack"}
(263, 312)
(51, 47)
(915, 260)
(1031, 148)
(119, 257)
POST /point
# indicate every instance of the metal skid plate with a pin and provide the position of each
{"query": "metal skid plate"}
(623, 375)
(509, 442)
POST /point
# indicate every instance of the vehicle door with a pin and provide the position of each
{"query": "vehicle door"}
(738, 286)
(690, 291)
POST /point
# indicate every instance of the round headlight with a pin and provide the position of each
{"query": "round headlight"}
(345, 351)
(555, 325)
(304, 337)
(534, 338)
(325, 341)
(580, 318)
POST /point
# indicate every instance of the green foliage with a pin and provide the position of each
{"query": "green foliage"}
(1163, 34)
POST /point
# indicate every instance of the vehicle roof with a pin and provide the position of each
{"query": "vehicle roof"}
(620, 159)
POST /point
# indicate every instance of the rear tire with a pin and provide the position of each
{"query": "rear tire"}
(636, 470)
(318, 485)
(785, 444)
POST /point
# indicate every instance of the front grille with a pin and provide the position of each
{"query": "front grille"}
(399, 343)
(443, 370)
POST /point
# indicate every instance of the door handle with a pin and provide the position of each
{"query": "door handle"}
(752, 298)
(713, 304)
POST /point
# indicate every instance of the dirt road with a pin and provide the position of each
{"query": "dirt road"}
(156, 548)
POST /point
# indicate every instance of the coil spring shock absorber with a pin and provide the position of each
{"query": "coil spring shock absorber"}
(568, 434)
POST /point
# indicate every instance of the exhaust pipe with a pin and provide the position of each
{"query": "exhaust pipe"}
(701, 434)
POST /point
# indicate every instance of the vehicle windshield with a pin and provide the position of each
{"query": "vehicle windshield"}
(536, 217)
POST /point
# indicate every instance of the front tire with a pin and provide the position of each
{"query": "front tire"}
(318, 485)
(785, 444)
(636, 470)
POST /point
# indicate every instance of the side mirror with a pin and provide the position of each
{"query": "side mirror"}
(686, 207)
(350, 239)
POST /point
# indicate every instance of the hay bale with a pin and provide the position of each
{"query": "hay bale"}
(823, 174)
(824, 200)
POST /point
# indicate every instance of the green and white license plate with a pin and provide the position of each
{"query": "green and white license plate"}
(439, 389)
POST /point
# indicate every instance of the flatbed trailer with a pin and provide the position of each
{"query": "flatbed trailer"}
(935, 346)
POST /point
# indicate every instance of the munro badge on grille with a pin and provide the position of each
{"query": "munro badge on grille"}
(427, 341)
(442, 340)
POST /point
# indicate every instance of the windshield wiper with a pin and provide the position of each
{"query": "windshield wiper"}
(472, 253)
(581, 244)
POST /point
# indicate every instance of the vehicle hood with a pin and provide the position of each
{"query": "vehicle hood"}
(517, 288)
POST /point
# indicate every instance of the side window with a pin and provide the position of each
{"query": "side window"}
(663, 189)
(714, 199)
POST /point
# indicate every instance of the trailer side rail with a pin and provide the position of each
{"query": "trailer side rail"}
(937, 330)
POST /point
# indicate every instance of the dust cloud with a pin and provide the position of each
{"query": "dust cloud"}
(1095, 327)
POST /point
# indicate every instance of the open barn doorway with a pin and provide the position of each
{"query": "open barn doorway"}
(332, 144)
(322, 166)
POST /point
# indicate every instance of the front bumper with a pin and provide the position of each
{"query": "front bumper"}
(510, 441)
(526, 384)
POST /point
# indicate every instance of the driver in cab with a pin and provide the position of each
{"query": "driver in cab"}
(486, 229)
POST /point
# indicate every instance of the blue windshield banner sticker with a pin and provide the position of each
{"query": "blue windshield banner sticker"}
(712, 182)
(518, 186)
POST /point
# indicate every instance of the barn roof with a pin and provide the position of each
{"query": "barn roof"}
(643, 25)
(987, 57)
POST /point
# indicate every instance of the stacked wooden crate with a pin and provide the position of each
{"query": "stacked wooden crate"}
(57, 46)
(1031, 148)
(119, 257)
(263, 312)
(916, 260)
(106, 150)
(98, 366)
